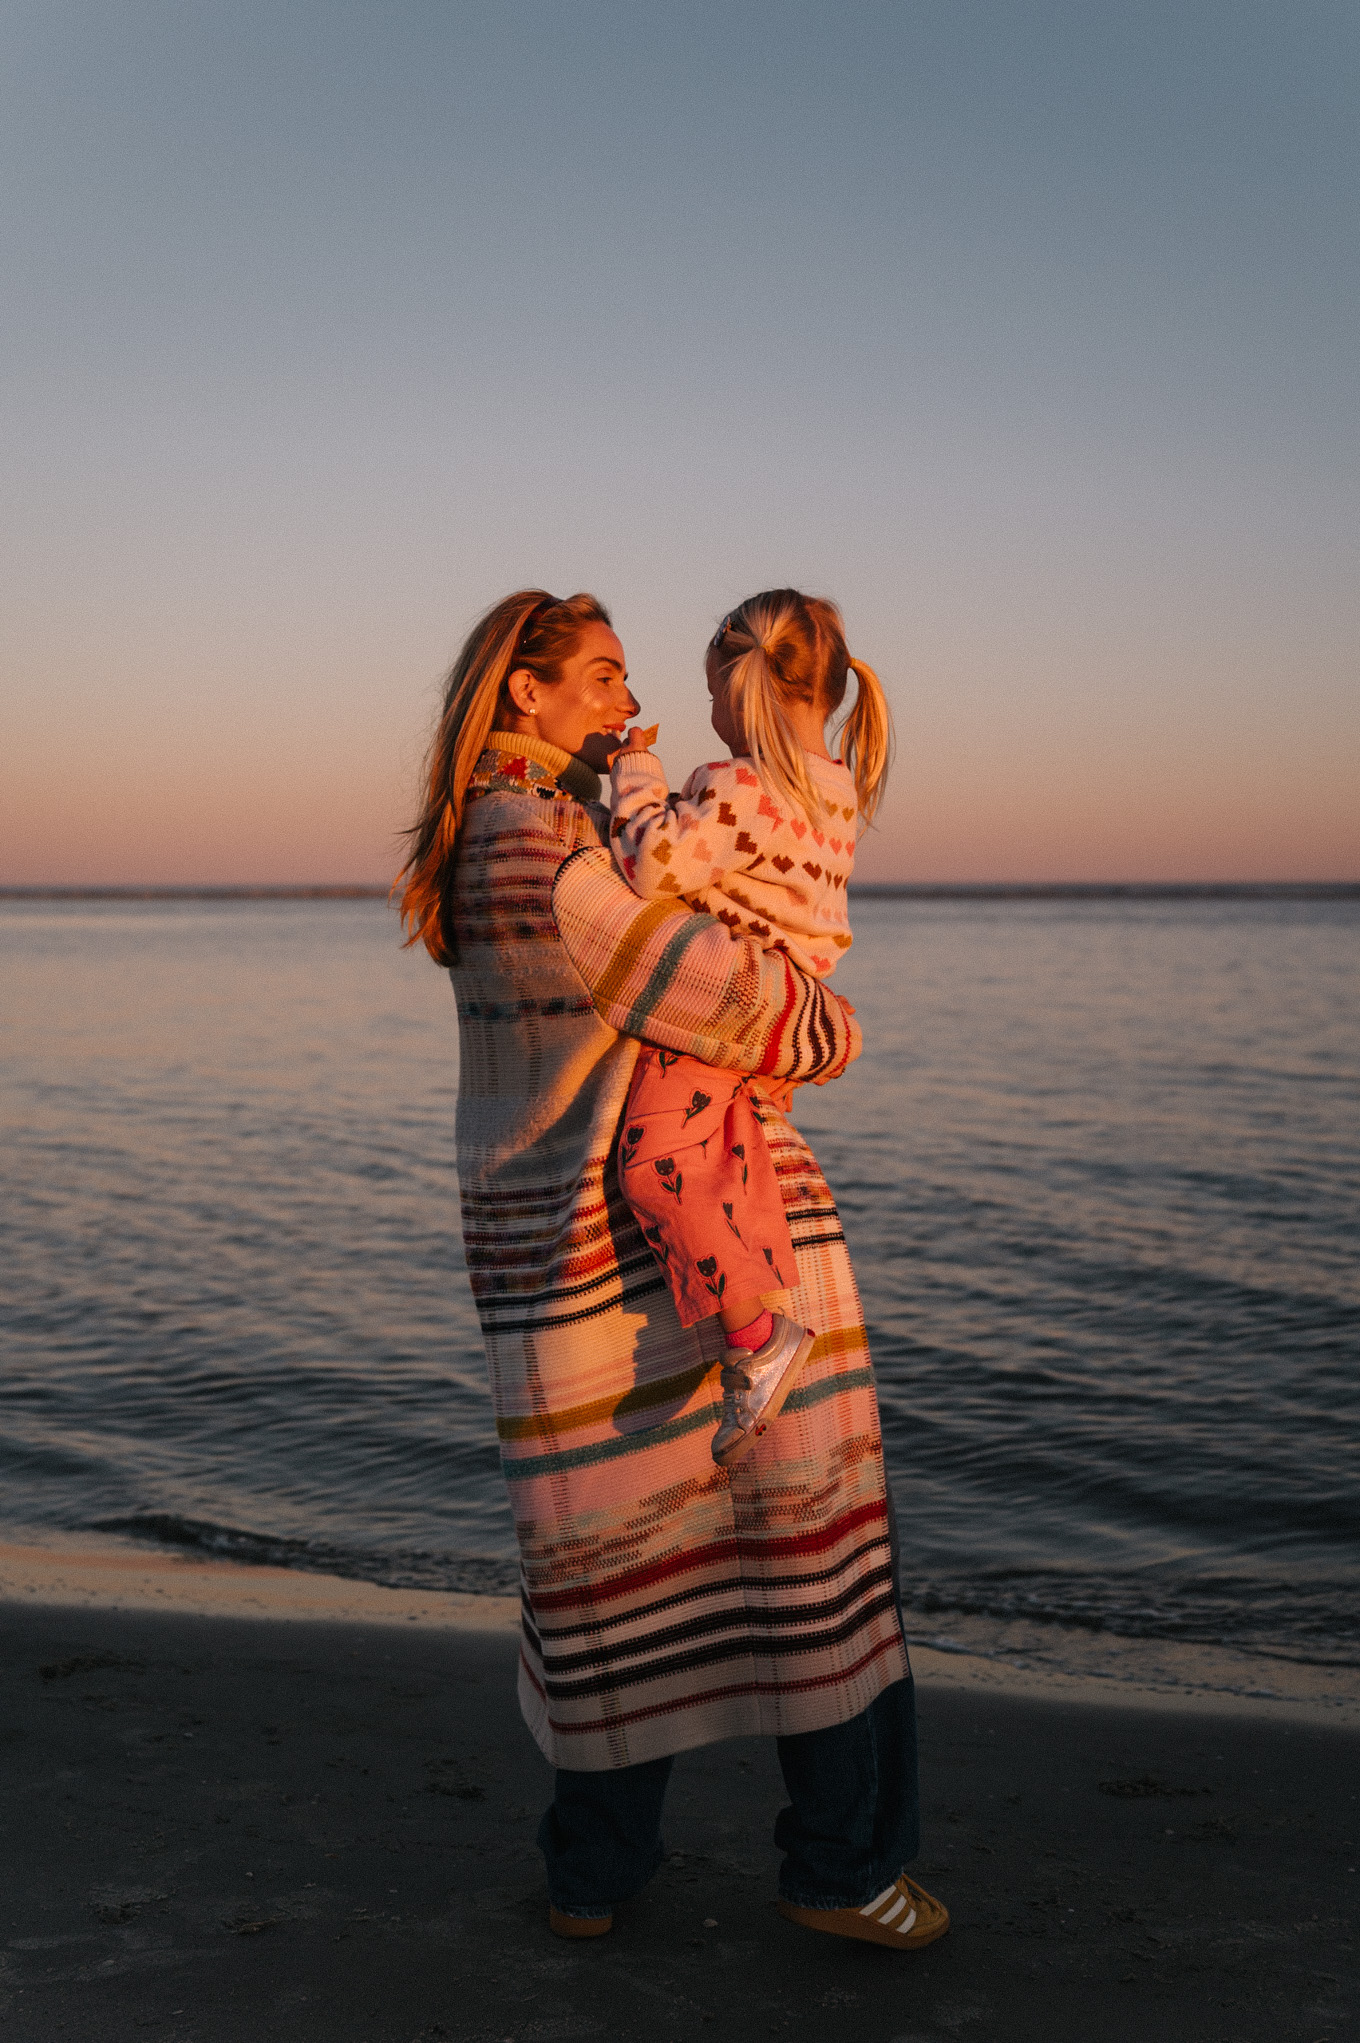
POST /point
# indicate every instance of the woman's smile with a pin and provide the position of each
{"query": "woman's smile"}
(588, 708)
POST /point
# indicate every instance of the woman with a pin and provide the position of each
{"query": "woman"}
(668, 1603)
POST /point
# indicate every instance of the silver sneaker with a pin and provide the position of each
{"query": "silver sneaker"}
(754, 1387)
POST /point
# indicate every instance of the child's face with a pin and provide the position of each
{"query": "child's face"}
(723, 722)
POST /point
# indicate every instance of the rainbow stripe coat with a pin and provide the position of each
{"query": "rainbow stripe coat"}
(667, 1603)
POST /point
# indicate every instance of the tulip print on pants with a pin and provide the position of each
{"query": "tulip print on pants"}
(697, 1175)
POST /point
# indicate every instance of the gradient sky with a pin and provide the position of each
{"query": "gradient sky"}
(1029, 332)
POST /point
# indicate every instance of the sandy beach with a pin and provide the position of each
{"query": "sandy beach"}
(252, 1803)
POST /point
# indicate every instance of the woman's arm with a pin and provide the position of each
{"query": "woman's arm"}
(681, 979)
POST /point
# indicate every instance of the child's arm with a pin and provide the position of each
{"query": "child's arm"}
(667, 844)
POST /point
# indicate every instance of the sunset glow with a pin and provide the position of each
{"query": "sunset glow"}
(1027, 335)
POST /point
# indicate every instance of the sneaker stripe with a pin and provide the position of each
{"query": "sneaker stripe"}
(903, 1927)
(886, 1895)
(896, 1909)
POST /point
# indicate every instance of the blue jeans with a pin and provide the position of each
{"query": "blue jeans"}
(852, 1824)
(853, 1821)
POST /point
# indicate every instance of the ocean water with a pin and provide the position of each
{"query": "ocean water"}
(1099, 1169)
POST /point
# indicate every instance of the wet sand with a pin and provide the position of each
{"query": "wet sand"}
(223, 1828)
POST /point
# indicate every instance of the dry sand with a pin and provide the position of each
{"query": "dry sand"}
(243, 1804)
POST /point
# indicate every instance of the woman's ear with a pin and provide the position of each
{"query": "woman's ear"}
(524, 691)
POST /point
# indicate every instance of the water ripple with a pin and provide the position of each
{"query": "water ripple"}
(1100, 1172)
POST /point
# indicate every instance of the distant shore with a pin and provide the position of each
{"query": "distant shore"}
(868, 890)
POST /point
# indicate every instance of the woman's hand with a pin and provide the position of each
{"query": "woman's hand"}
(778, 1091)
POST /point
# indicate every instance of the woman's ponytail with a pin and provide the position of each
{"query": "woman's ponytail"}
(529, 629)
(867, 739)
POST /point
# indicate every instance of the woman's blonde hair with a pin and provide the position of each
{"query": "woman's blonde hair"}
(783, 647)
(530, 629)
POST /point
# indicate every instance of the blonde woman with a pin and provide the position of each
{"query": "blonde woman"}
(668, 1603)
(765, 841)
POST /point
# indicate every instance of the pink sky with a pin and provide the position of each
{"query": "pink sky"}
(1047, 375)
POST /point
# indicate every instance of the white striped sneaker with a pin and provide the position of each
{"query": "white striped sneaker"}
(903, 1917)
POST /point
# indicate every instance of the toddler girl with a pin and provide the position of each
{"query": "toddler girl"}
(765, 841)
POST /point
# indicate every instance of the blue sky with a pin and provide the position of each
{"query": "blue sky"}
(1027, 332)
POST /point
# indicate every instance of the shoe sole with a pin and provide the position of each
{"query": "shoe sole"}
(854, 1928)
(574, 1926)
(776, 1405)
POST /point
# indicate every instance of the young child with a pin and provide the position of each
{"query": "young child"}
(765, 841)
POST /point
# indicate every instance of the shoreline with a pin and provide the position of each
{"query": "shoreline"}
(72, 1572)
(83, 1575)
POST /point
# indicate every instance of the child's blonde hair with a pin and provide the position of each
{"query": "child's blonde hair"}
(783, 647)
(530, 629)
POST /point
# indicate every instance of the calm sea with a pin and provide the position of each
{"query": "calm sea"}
(1099, 1168)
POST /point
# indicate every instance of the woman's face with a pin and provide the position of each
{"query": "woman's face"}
(586, 711)
(723, 722)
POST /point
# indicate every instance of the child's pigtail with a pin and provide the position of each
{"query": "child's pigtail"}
(867, 739)
(774, 750)
(783, 647)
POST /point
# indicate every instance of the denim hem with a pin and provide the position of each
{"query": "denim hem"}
(582, 1914)
(841, 1900)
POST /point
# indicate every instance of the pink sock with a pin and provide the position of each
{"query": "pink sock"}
(753, 1336)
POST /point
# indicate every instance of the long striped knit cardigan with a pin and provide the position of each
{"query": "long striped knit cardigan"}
(667, 1603)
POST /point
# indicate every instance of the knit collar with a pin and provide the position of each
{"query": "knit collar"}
(572, 775)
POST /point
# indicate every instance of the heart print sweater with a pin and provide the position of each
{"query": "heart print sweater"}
(723, 845)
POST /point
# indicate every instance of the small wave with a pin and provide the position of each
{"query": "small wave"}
(469, 1574)
(1071, 1607)
(1313, 1627)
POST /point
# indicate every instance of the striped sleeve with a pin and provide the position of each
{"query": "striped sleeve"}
(680, 979)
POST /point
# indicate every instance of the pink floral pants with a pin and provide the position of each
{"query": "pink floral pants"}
(696, 1172)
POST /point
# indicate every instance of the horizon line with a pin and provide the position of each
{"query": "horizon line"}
(907, 890)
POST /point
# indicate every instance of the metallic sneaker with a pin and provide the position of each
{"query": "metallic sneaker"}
(754, 1387)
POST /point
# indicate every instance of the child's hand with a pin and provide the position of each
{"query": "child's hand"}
(639, 740)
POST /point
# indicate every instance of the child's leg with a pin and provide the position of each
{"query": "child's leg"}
(765, 1350)
(751, 1317)
(697, 1176)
